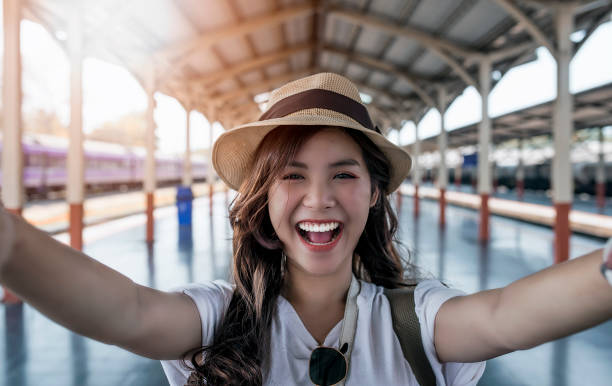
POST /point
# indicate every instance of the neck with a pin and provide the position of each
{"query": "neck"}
(316, 292)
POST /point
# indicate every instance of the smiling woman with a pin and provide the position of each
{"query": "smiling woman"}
(314, 260)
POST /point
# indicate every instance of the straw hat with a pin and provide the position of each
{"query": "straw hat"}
(324, 99)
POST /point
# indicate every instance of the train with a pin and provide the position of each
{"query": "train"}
(108, 167)
(536, 176)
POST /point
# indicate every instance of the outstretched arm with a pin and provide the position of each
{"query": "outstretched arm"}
(92, 299)
(553, 303)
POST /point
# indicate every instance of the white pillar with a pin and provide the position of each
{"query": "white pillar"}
(563, 127)
(187, 174)
(520, 170)
(563, 121)
(600, 173)
(484, 130)
(442, 140)
(76, 167)
(75, 190)
(12, 160)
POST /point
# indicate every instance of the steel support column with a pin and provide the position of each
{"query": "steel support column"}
(75, 190)
(562, 179)
(484, 142)
(442, 144)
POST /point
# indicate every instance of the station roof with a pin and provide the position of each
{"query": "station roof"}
(216, 56)
(592, 108)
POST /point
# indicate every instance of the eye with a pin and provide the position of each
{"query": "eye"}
(292, 176)
(344, 176)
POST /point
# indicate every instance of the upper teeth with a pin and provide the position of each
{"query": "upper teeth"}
(312, 227)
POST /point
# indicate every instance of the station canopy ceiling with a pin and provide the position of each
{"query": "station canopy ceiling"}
(592, 109)
(221, 57)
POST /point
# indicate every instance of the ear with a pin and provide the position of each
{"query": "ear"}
(374, 197)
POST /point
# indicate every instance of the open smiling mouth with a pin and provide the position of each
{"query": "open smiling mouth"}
(319, 234)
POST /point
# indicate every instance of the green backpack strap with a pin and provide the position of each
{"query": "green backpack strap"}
(408, 330)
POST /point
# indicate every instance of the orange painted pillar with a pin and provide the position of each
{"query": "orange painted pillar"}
(442, 207)
(562, 232)
(210, 196)
(16, 212)
(483, 226)
(600, 189)
(76, 226)
(150, 219)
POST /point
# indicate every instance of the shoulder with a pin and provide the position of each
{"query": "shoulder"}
(219, 289)
(212, 299)
(429, 295)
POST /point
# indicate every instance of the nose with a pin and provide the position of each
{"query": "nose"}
(319, 195)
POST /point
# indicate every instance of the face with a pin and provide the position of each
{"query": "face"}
(320, 203)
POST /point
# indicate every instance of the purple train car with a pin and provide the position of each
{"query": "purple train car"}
(108, 166)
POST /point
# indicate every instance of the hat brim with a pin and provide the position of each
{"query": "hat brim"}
(234, 150)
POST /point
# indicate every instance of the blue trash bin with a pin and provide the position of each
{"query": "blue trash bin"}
(184, 198)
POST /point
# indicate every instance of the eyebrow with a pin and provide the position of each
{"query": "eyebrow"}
(344, 162)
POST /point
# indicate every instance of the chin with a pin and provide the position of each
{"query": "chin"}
(320, 265)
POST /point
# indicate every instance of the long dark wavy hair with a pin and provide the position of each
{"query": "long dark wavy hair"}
(239, 352)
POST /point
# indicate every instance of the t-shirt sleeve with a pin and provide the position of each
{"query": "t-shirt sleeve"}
(211, 300)
(429, 295)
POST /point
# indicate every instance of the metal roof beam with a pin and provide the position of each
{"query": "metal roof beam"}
(258, 87)
(216, 77)
(529, 25)
(435, 44)
(392, 28)
(382, 66)
(178, 54)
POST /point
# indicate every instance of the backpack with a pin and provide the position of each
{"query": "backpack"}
(408, 330)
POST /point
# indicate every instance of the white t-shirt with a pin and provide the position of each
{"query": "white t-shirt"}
(377, 357)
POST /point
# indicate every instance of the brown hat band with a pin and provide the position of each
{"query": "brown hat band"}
(322, 99)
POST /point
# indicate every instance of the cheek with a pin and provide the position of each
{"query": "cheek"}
(357, 200)
(278, 201)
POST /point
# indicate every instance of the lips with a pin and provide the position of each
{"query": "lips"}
(319, 235)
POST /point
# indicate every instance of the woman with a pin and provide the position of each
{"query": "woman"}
(313, 249)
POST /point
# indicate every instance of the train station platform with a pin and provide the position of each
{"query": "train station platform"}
(534, 209)
(34, 350)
